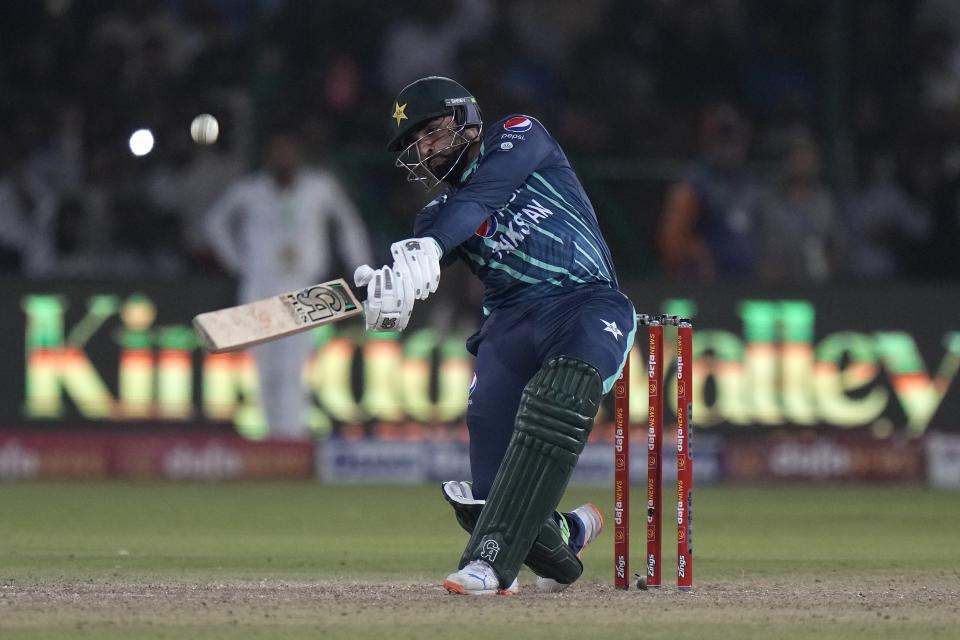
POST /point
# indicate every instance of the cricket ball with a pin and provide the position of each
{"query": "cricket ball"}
(204, 129)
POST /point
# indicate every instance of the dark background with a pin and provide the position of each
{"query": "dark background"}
(624, 85)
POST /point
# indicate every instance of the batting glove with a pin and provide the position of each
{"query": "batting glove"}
(417, 260)
(389, 300)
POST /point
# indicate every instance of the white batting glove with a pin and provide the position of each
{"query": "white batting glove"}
(389, 300)
(418, 261)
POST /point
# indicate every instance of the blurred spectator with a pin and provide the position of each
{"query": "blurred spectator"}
(279, 230)
(15, 223)
(798, 232)
(154, 43)
(27, 215)
(425, 41)
(940, 70)
(707, 227)
(886, 224)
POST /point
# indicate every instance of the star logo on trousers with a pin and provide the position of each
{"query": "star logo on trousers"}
(612, 328)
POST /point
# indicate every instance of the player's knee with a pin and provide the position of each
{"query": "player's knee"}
(560, 402)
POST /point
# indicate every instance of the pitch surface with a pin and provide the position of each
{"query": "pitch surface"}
(304, 561)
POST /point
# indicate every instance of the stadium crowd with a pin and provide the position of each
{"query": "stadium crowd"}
(794, 140)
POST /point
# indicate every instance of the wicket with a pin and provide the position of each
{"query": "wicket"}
(621, 511)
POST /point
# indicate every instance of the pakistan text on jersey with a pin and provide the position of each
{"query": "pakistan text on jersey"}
(510, 237)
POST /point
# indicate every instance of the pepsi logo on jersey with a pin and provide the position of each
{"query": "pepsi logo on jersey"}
(518, 124)
(487, 228)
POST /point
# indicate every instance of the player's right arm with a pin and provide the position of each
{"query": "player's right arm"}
(502, 169)
(447, 222)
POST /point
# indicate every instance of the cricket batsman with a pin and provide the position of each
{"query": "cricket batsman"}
(555, 333)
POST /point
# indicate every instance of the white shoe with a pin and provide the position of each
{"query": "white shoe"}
(592, 522)
(478, 579)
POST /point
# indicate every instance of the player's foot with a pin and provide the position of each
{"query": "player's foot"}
(478, 579)
(590, 524)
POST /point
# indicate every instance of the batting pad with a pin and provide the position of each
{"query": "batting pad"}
(549, 557)
(556, 415)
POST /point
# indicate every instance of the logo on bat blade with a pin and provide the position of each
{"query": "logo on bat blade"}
(317, 303)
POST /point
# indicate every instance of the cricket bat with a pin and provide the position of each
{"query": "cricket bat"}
(269, 319)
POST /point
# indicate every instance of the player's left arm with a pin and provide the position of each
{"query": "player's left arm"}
(392, 290)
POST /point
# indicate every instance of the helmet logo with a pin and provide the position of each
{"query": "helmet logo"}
(398, 112)
(518, 124)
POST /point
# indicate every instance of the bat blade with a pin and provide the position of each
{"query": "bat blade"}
(272, 318)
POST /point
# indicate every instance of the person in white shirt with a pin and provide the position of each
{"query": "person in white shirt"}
(272, 230)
